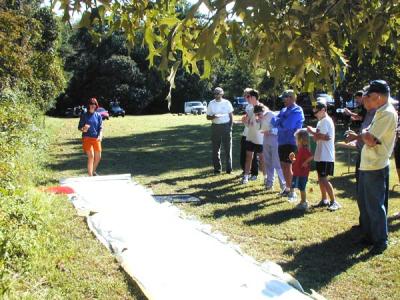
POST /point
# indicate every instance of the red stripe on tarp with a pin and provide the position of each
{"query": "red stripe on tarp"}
(59, 190)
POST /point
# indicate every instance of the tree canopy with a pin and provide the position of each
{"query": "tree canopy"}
(301, 41)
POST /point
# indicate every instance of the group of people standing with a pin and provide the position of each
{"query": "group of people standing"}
(277, 141)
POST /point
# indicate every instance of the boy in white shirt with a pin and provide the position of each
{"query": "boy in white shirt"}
(256, 124)
(324, 156)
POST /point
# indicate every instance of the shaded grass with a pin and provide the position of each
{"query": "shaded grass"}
(172, 154)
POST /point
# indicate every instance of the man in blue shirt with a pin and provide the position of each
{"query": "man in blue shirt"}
(288, 121)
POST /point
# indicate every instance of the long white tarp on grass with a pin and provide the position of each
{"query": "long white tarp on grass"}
(171, 256)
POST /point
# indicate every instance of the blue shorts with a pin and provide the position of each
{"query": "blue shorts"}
(299, 182)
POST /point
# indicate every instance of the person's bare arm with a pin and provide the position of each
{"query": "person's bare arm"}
(307, 161)
(317, 135)
(369, 139)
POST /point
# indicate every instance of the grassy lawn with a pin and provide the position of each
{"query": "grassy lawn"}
(172, 154)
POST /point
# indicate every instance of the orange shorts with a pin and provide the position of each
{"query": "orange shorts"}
(89, 143)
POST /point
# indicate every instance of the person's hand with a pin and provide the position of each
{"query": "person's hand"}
(310, 130)
(304, 164)
(85, 128)
(100, 138)
(350, 136)
(347, 111)
(245, 119)
(326, 137)
(292, 156)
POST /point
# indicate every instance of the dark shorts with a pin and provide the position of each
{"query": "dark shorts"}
(325, 168)
(284, 151)
(254, 147)
(397, 154)
(299, 182)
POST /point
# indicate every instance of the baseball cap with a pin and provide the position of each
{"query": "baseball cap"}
(287, 93)
(218, 91)
(377, 86)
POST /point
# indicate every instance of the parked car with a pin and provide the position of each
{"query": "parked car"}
(351, 104)
(75, 112)
(195, 107)
(103, 113)
(116, 110)
(239, 104)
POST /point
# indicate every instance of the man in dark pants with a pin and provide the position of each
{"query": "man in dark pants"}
(373, 186)
(219, 111)
(366, 115)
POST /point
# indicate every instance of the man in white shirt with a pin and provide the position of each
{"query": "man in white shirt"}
(219, 111)
(324, 155)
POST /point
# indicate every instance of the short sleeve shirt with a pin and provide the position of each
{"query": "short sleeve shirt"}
(383, 127)
(302, 155)
(256, 128)
(325, 150)
(221, 109)
(249, 107)
(96, 124)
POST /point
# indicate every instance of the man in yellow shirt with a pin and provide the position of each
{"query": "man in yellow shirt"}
(373, 186)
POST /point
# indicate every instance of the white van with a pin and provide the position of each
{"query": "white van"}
(195, 107)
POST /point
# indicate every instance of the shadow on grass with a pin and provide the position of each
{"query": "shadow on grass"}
(325, 260)
(329, 258)
(277, 217)
(133, 287)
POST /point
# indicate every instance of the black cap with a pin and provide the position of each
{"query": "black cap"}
(377, 86)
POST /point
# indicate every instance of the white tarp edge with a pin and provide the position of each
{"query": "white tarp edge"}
(170, 256)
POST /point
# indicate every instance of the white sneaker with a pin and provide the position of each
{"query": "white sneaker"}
(334, 206)
(245, 179)
(302, 206)
(253, 177)
(292, 197)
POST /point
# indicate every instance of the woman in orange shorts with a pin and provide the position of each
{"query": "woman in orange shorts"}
(91, 125)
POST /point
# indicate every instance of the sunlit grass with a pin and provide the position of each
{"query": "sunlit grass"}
(172, 154)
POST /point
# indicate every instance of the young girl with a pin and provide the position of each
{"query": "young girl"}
(301, 167)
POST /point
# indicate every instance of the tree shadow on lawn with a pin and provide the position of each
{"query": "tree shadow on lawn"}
(316, 265)
(149, 154)
(277, 217)
(220, 189)
(344, 186)
(243, 209)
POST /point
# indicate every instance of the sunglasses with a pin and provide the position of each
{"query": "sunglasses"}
(315, 111)
(92, 104)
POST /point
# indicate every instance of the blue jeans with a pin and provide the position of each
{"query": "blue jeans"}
(373, 191)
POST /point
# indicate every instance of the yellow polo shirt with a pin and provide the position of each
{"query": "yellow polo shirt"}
(383, 127)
